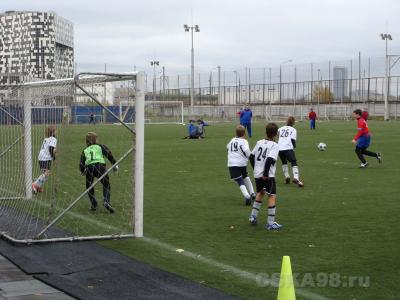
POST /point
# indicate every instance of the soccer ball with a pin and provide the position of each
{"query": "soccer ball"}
(321, 146)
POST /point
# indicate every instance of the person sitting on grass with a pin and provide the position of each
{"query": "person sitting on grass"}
(93, 165)
(193, 130)
(201, 125)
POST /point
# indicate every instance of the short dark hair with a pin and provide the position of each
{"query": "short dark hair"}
(357, 112)
(290, 121)
(240, 131)
(271, 130)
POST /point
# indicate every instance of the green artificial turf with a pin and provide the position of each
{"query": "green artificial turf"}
(343, 223)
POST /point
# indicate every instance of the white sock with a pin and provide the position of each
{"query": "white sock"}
(285, 170)
(271, 214)
(244, 191)
(296, 173)
(249, 186)
(256, 208)
(41, 180)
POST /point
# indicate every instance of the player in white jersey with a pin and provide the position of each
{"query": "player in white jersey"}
(45, 157)
(238, 156)
(287, 142)
(263, 159)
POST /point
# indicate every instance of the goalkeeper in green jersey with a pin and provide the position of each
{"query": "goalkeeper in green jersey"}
(93, 165)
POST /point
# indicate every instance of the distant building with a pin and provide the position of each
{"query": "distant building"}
(35, 46)
(340, 83)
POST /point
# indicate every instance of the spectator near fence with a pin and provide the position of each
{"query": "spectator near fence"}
(91, 119)
(245, 119)
(312, 116)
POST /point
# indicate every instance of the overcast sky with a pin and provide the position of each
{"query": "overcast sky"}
(234, 34)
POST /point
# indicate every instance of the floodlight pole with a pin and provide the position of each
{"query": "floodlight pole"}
(386, 37)
(280, 79)
(192, 29)
(154, 63)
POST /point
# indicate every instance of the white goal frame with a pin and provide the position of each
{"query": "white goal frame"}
(138, 149)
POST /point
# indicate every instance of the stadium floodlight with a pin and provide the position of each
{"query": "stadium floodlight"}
(280, 78)
(193, 28)
(386, 37)
(154, 64)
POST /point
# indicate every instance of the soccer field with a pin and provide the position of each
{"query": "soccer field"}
(341, 230)
(343, 224)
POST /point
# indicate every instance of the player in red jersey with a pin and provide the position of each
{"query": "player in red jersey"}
(363, 139)
(312, 116)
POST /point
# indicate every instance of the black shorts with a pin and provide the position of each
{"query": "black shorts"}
(287, 155)
(237, 172)
(269, 185)
(45, 164)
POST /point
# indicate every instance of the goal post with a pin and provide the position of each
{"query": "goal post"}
(58, 210)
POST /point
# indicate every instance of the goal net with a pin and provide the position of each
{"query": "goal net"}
(162, 112)
(54, 186)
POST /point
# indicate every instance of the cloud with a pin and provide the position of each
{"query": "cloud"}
(234, 34)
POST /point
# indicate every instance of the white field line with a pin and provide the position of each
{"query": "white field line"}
(208, 261)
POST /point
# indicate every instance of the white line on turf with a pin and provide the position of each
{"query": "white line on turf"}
(224, 267)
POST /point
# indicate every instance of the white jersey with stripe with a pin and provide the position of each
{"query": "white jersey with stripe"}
(262, 150)
(286, 135)
(238, 152)
(44, 154)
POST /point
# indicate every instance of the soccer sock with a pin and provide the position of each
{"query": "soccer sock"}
(256, 208)
(296, 173)
(271, 214)
(285, 169)
(243, 189)
(249, 185)
(41, 180)
(369, 153)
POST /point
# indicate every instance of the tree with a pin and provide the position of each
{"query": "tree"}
(323, 94)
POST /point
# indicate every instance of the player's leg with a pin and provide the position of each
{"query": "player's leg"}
(106, 187)
(89, 181)
(236, 175)
(247, 183)
(37, 185)
(248, 126)
(271, 191)
(377, 155)
(285, 167)
(295, 168)
(359, 152)
(258, 201)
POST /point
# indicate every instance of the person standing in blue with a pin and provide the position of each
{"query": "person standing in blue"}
(245, 119)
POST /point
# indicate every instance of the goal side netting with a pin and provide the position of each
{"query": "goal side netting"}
(53, 185)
